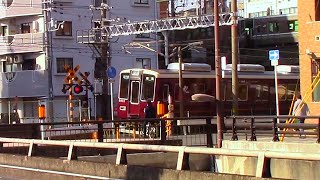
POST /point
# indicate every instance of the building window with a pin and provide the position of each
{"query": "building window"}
(65, 29)
(317, 10)
(3, 30)
(141, 2)
(315, 66)
(25, 28)
(62, 63)
(144, 63)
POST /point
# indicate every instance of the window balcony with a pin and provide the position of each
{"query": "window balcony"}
(21, 43)
(13, 8)
(33, 83)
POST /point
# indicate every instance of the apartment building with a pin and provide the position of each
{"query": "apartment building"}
(38, 40)
(258, 8)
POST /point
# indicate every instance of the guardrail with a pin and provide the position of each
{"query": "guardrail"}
(183, 152)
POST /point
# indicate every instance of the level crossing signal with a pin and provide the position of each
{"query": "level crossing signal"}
(78, 89)
(71, 77)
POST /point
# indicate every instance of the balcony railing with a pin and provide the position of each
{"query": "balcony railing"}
(32, 83)
(21, 43)
(13, 8)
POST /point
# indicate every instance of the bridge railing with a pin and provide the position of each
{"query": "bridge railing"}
(277, 126)
(188, 131)
(183, 152)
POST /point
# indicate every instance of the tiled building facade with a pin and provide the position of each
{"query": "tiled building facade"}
(309, 53)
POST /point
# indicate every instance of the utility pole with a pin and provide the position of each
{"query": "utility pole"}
(218, 74)
(103, 63)
(180, 83)
(48, 49)
(234, 45)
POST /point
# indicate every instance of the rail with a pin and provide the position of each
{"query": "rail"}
(183, 152)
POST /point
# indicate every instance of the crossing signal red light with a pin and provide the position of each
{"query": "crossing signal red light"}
(78, 89)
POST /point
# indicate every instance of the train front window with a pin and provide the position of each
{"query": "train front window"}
(147, 87)
(124, 86)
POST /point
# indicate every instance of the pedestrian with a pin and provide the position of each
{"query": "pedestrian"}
(150, 112)
(300, 108)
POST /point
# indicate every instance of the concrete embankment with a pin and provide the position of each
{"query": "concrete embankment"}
(101, 168)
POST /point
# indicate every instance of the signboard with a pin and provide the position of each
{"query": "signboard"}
(274, 57)
(274, 63)
(111, 71)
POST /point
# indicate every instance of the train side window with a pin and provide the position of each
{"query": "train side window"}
(197, 88)
(165, 93)
(282, 92)
(291, 91)
(273, 27)
(134, 96)
(124, 86)
(262, 92)
(147, 87)
(243, 92)
(176, 92)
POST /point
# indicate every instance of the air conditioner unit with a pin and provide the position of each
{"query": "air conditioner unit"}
(17, 59)
(9, 59)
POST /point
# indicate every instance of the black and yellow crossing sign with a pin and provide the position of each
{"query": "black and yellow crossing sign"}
(85, 77)
(72, 75)
(80, 82)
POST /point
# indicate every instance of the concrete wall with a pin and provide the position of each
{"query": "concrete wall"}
(277, 168)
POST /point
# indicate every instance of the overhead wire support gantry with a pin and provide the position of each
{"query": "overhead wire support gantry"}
(95, 35)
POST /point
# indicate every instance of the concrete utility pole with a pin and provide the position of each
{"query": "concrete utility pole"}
(234, 44)
(49, 59)
(102, 65)
(218, 74)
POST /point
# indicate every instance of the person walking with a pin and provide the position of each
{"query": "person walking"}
(150, 112)
(300, 108)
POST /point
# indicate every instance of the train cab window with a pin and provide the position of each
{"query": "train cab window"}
(147, 87)
(134, 96)
(124, 86)
(293, 26)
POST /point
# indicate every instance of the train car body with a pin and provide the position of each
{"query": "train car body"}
(270, 30)
(256, 90)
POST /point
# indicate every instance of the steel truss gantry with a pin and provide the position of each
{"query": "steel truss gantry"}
(97, 35)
